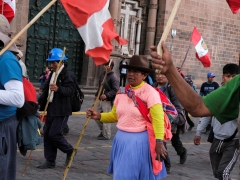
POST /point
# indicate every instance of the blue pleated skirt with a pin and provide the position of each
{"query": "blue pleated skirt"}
(130, 158)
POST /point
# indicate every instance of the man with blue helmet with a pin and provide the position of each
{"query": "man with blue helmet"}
(58, 110)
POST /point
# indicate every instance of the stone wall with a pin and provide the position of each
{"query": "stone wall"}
(19, 22)
(218, 26)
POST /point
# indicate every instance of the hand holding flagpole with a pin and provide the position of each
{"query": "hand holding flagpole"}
(167, 29)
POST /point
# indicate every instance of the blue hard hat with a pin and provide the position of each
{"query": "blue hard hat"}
(210, 74)
(55, 55)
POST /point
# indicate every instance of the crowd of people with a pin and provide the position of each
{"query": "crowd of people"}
(134, 104)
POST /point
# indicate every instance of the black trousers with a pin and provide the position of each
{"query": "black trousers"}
(53, 137)
(177, 144)
(123, 79)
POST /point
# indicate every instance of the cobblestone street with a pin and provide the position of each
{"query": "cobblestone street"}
(91, 161)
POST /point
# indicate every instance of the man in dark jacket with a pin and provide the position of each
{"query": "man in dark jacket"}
(58, 111)
(164, 86)
(106, 98)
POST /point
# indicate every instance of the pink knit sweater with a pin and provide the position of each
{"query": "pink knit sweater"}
(129, 117)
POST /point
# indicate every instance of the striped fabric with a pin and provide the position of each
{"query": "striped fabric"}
(168, 107)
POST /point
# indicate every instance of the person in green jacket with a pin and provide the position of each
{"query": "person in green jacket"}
(218, 103)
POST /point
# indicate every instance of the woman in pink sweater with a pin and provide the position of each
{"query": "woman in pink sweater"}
(130, 156)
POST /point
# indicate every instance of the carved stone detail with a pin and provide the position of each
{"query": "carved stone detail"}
(115, 21)
(153, 6)
(151, 29)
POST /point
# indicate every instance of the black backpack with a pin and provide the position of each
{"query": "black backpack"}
(77, 97)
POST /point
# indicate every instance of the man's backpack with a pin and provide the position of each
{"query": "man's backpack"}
(77, 97)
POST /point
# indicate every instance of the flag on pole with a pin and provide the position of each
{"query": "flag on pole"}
(8, 9)
(234, 5)
(95, 25)
(202, 52)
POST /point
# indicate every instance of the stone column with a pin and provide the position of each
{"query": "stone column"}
(114, 11)
(151, 26)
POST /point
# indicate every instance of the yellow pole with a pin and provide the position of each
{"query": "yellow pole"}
(84, 127)
(167, 29)
(74, 113)
(27, 26)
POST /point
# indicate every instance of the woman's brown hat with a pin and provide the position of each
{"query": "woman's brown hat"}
(139, 63)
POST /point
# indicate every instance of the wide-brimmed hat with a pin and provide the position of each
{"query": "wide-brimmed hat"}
(139, 63)
(5, 32)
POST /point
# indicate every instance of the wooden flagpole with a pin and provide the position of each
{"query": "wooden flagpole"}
(84, 127)
(27, 26)
(167, 29)
(186, 55)
(25, 169)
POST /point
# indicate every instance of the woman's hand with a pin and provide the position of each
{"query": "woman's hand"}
(93, 114)
(160, 150)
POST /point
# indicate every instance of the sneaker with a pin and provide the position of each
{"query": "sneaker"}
(68, 158)
(183, 157)
(47, 165)
(100, 135)
(168, 169)
(103, 138)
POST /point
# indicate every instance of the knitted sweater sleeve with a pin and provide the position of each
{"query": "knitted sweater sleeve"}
(156, 112)
(109, 117)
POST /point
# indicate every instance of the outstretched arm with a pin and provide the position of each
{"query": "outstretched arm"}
(190, 100)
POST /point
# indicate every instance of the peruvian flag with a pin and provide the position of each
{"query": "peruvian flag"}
(95, 25)
(9, 9)
(234, 5)
(202, 53)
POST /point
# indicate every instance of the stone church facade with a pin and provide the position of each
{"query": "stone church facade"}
(142, 23)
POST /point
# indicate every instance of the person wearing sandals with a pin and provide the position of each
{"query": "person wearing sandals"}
(131, 155)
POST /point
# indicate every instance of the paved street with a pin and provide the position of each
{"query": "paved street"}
(91, 161)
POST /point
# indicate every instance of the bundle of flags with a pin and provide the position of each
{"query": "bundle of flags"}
(8, 9)
(95, 25)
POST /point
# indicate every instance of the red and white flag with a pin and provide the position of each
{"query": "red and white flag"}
(9, 9)
(234, 5)
(95, 25)
(202, 52)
